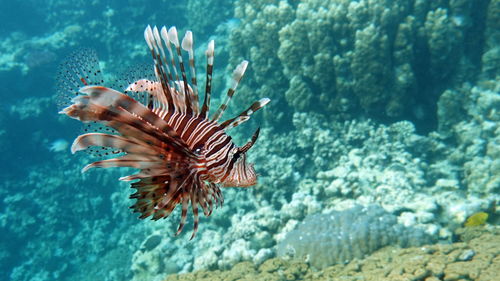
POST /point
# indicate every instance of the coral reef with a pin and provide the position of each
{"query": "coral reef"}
(491, 56)
(205, 23)
(383, 59)
(338, 237)
(61, 226)
(474, 259)
(333, 70)
(25, 53)
(315, 165)
(470, 115)
(31, 107)
(28, 54)
(321, 165)
(326, 166)
(261, 22)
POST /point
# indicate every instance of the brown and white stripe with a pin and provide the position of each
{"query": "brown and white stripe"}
(183, 156)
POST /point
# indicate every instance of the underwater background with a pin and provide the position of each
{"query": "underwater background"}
(379, 154)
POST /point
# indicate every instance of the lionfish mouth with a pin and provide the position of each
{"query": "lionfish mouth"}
(152, 121)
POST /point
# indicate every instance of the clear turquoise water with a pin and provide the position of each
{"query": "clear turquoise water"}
(340, 79)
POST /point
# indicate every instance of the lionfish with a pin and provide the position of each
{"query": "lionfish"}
(155, 124)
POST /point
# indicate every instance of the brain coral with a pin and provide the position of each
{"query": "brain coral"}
(340, 236)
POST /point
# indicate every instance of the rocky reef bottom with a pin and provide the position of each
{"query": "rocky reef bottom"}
(475, 257)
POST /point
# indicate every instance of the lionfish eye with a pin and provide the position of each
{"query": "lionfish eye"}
(236, 155)
(198, 149)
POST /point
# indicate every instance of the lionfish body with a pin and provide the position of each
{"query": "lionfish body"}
(157, 126)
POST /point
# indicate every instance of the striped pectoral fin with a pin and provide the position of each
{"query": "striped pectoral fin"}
(167, 204)
(210, 206)
(219, 196)
(215, 194)
(83, 109)
(210, 198)
(205, 201)
(110, 98)
(194, 207)
(133, 134)
(204, 206)
(158, 196)
(185, 204)
(154, 197)
(107, 97)
(137, 136)
(185, 188)
(129, 160)
(164, 212)
(245, 115)
(82, 142)
(147, 173)
(147, 207)
(150, 184)
(167, 210)
(135, 129)
(170, 167)
(127, 124)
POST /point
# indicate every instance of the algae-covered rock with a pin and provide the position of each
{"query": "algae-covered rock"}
(476, 259)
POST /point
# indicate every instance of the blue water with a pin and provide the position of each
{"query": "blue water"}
(393, 103)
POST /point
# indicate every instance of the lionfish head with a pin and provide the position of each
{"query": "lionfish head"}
(242, 174)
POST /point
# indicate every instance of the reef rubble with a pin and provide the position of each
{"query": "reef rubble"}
(476, 257)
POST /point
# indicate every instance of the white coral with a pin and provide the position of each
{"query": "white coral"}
(58, 145)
